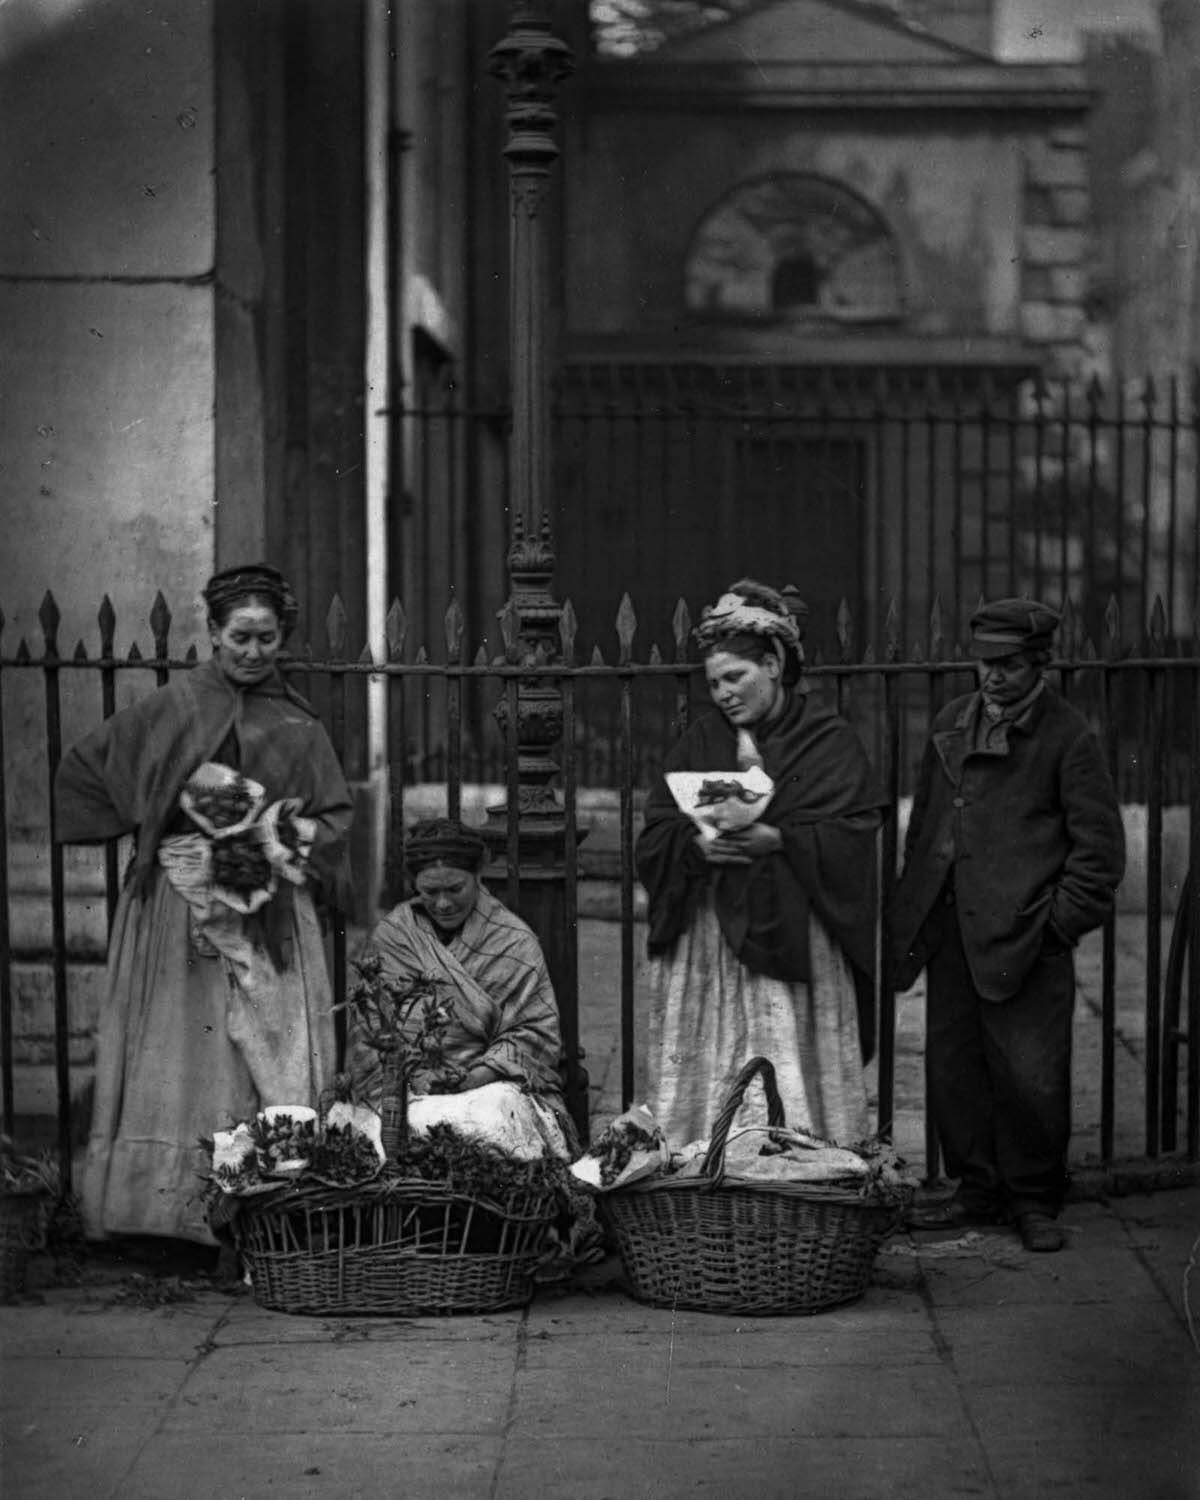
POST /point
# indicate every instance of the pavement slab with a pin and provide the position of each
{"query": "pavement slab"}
(781, 1343)
(985, 1269)
(249, 1324)
(672, 1466)
(312, 1466)
(1115, 1343)
(644, 1398)
(56, 1455)
(82, 1328)
(360, 1387)
(1046, 1467)
(1121, 1441)
(62, 1383)
(1164, 1232)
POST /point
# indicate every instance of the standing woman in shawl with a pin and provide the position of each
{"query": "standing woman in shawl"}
(504, 1017)
(208, 1016)
(762, 939)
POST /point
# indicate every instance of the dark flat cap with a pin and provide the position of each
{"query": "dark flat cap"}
(1006, 626)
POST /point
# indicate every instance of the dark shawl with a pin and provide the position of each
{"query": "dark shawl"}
(827, 806)
(125, 777)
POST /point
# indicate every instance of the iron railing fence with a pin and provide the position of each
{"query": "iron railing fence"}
(1144, 693)
(893, 489)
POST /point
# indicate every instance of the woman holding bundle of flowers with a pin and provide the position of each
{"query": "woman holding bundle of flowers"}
(762, 937)
(218, 998)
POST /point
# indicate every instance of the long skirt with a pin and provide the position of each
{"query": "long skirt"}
(177, 1058)
(709, 1015)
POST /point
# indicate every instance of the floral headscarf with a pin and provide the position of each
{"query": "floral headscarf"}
(765, 613)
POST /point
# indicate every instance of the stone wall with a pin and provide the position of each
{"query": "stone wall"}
(107, 359)
(1055, 244)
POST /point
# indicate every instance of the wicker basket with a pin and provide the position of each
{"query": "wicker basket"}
(399, 1246)
(22, 1222)
(728, 1245)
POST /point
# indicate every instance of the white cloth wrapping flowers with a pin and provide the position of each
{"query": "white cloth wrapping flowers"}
(259, 1016)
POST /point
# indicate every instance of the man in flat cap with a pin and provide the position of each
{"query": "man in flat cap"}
(1014, 851)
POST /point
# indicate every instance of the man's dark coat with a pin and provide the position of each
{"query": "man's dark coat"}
(1033, 833)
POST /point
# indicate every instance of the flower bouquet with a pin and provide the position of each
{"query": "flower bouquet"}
(287, 839)
(220, 801)
(249, 846)
(286, 1142)
(718, 801)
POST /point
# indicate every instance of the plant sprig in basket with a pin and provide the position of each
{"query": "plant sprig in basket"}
(406, 1022)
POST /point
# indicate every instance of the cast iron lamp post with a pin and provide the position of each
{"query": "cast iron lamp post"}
(532, 62)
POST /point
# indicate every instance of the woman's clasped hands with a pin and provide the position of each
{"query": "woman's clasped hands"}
(739, 846)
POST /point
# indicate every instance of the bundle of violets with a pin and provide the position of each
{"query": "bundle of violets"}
(339, 1146)
(248, 846)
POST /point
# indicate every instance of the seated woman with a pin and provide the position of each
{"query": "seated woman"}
(504, 1021)
(762, 940)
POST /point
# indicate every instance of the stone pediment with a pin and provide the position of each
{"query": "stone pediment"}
(816, 31)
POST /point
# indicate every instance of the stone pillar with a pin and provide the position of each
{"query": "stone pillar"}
(531, 62)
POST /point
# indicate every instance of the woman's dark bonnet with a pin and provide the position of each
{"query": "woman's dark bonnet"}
(444, 841)
(224, 591)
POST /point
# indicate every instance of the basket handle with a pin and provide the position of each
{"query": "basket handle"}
(714, 1161)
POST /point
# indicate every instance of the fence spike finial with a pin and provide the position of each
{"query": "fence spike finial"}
(891, 630)
(50, 617)
(510, 629)
(422, 657)
(1112, 624)
(597, 657)
(160, 624)
(844, 624)
(656, 656)
(396, 630)
(191, 655)
(80, 652)
(626, 629)
(455, 626)
(22, 657)
(937, 634)
(107, 617)
(1158, 626)
(335, 628)
(481, 656)
(568, 629)
(134, 653)
(366, 657)
(681, 628)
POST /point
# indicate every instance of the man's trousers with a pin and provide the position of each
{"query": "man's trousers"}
(1000, 1076)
